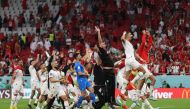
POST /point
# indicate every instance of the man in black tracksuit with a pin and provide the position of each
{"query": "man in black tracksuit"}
(107, 66)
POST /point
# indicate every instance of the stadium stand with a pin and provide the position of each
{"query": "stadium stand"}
(29, 27)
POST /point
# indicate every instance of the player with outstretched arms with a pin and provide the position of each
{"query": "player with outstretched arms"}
(17, 84)
(130, 61)
(35, 79)
(43, 73)
(143, 52)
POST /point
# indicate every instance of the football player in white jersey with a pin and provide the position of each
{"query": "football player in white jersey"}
(35, 79)
(17, 84)
(71, 84)
(43, 73)
(130, 61)
(55, 86)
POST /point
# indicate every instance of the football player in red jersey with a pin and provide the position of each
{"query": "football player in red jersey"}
(143, 52)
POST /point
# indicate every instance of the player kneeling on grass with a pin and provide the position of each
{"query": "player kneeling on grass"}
(17, 85)
(55, 87)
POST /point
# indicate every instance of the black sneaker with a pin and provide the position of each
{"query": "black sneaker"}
(30, 106)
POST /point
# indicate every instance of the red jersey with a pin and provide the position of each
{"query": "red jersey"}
(144, 48)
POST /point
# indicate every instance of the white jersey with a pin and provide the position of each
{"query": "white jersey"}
(43, 82)
(57, 76)
(129, 50)
(19, 77)
(122, 72)
(33, 74)
(130, 61)
(43, 76)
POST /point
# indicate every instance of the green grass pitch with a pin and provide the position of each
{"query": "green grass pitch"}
(162, 103)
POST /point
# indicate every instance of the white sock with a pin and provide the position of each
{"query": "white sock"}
(143, 105)
(36, 101)
(13, 100)
(148, 104)
(18, 98)
(151, 89)
(137, 77)
(119, 100)
(38, 105)
(30, 101)
(66, 104)
(133, 106)
(44, 104)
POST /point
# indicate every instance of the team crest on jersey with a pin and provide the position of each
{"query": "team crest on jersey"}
(78, 67)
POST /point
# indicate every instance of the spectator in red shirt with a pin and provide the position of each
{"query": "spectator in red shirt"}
(163, 69)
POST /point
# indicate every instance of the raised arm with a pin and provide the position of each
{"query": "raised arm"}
(123, 36)
(99, 35)
(36, 61)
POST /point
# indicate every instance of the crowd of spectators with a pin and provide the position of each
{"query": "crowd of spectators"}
(72, 29)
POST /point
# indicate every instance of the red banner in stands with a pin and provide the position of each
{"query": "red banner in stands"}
(171, 93)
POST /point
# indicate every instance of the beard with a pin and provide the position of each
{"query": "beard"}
(56, 67)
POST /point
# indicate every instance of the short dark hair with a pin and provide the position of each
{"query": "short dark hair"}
(31, 62)
(75, 55)
(71, 65)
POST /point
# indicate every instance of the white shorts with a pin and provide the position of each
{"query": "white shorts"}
(147, 73)
(44, 88)
(131, 64)
(17, 88)
(35, 85)
(133, 95)
(53, 92)
(71, 88)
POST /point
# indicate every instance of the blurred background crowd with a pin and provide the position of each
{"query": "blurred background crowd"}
(31, 27)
